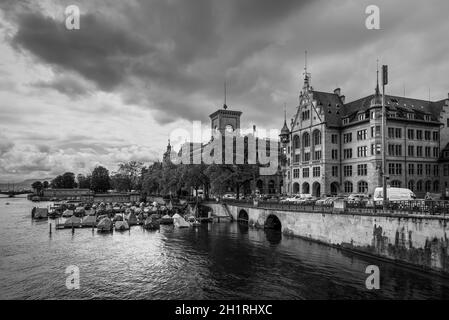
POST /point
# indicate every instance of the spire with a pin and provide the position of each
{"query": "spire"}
(377, 84)
(224, 104)
(285, 131)
(306, 74)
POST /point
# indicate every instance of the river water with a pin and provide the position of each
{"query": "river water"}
(216, 261)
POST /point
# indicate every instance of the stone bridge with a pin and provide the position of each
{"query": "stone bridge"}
(420, 241)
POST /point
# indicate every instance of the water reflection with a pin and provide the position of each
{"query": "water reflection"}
(215, 261)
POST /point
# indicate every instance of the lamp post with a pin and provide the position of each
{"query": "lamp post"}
(384, 123)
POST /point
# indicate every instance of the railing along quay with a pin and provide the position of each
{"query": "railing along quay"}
(438, 208)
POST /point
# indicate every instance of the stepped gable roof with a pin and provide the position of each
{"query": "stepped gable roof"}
(332, 106)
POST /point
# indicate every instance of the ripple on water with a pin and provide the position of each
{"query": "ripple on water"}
(215, 261)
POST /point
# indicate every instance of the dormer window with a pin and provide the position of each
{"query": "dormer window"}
(345, 120)
(427, 117)
(393, 114)
(361, 117)
(410, 116)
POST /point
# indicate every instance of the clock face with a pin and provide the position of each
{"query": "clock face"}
(229, 128)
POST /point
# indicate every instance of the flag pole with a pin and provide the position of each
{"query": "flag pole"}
(384, 123)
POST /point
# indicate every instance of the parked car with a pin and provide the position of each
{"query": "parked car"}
(229, 196)
(357, 198)
(322, 201)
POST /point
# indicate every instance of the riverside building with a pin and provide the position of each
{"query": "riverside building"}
(335, 147)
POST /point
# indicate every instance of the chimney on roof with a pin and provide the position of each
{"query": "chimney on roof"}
(337, 91)
(342, 98)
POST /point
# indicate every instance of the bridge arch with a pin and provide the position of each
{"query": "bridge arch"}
(273, 222)
(243, 217)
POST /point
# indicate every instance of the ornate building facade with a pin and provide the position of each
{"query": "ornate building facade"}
(334, 147)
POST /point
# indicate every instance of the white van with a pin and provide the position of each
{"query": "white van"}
(394, 194)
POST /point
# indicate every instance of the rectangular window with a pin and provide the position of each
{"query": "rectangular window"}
(436, 152)
(446, 170)
(427, 152)
(398, 133)
(427, 135)
(347, 137)
(335, 171)
(347, 153)
(419, 151)
(436, 170)
(334, 139)
(436, 136)
(411, 168)
(419, 169)
(362, 170)
(361, 151)
(390, 132)
(419, 134)
(411, 151)
(305, 172)
(307, 156)
(361, 135)
(317, 155)
(347, 171)
(297, 158)
(428, 169)
(295, 173)
(376, 149)
(395, 168)
(316, 171)
(411, 134)
(334, 154)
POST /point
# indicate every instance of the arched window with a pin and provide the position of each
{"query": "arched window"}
(305, 188)
(411, 185)
(436, 186)
(296, 187)
(396, 184)
(271, 187)
(316, 137)
(296, 142)
(428, 186)
(348, 186)
(306, 140)
(419, 186)
(362, 187)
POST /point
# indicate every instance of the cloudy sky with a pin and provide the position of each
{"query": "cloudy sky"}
(136, 70)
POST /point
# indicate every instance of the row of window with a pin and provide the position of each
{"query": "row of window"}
(393, 133)
(316, 172)
(362, 187)
(396, 169)
(316, 138)
(362, 170)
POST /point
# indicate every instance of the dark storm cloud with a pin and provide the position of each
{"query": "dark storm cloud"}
(99, 51)
(176, 47)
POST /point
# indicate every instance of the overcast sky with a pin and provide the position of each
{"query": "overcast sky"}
(136, 70)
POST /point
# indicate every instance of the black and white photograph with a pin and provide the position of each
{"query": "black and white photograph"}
(224, 156)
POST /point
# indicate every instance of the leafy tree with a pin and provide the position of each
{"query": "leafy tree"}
(45, 184)
(133, 171)
(83, 181)
(38, 186)
(100, 181)
(152, 179)
(68, 180)
(57, 182)
(121, 182)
